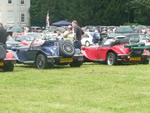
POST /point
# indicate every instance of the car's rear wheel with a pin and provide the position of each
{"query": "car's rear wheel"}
(112, 59)
(8, 67)
(41, 61)
(145, 61)
(87, 43)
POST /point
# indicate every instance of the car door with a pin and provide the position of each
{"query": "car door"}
(102, 51)
(32, 51)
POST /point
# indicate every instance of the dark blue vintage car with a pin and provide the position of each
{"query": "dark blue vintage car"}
(48, 53)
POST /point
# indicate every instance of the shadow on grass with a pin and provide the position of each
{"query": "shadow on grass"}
(105, 64)
(27, 66)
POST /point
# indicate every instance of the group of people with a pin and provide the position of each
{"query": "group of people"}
(74, 33)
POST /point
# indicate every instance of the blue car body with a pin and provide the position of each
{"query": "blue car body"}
(49, 53)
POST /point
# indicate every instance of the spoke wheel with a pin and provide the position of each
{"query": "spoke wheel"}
(41, 61)
(111, 58)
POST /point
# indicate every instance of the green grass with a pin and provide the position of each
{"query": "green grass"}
(92, 88)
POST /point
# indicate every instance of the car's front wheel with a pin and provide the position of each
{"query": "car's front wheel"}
(112, 59)
(41, 61)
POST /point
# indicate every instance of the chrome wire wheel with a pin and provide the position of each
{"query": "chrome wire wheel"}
(41, 61)
(111, 59)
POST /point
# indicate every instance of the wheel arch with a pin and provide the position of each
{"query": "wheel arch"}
(109, 52)
(39, 52)
(87, 41)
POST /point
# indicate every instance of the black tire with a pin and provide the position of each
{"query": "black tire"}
(2, 52)
(41, 61)
(112, 59)
(8, 67)
(66, 49)
(87, 43)
(145, 61)
(76, 64)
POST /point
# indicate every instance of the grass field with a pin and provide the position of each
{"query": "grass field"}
(92, 88)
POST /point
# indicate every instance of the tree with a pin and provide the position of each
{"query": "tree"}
(91, 12)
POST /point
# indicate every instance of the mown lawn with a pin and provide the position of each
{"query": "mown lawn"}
(92, 88)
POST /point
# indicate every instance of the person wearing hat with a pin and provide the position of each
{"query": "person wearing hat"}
(69, 35)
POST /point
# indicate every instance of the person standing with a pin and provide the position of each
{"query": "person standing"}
(69, 35)
(95, 37)
(78, 34)
(3, 35)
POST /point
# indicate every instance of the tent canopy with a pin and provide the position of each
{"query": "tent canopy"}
(61, 23)
(16, 29)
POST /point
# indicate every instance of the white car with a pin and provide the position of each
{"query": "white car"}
(87, 39)
(50, 36)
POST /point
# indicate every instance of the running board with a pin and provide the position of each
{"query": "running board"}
(28, 62)
(99, 60)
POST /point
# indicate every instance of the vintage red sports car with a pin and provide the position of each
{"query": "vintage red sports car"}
(117, 52)
(7, 59)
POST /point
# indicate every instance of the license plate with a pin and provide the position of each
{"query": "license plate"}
(63, 60)
(135, 58)
(1, 63)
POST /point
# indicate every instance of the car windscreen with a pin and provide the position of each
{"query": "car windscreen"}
(107, 42)
(10, 39)
(27, 38)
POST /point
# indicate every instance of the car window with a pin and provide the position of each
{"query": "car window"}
(27, 38)
(86, 36)
(134, 38)
(17, 39)
(10, 38)
(120, 37)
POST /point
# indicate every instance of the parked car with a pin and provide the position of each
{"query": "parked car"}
(87, 39)
(26, 39)
(35, 29)
(51, 52)
(119, 51)
(7, 59)
(115, 36)
(12, 43)
(139, 37)
(49, 36)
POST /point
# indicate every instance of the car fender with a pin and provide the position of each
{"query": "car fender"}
(48, 51)
(88, 56)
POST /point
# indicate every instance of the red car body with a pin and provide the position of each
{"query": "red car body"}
(7, 63)
(114, 54)
(25, 39)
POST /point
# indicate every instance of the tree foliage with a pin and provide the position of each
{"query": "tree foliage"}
(91, 12)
